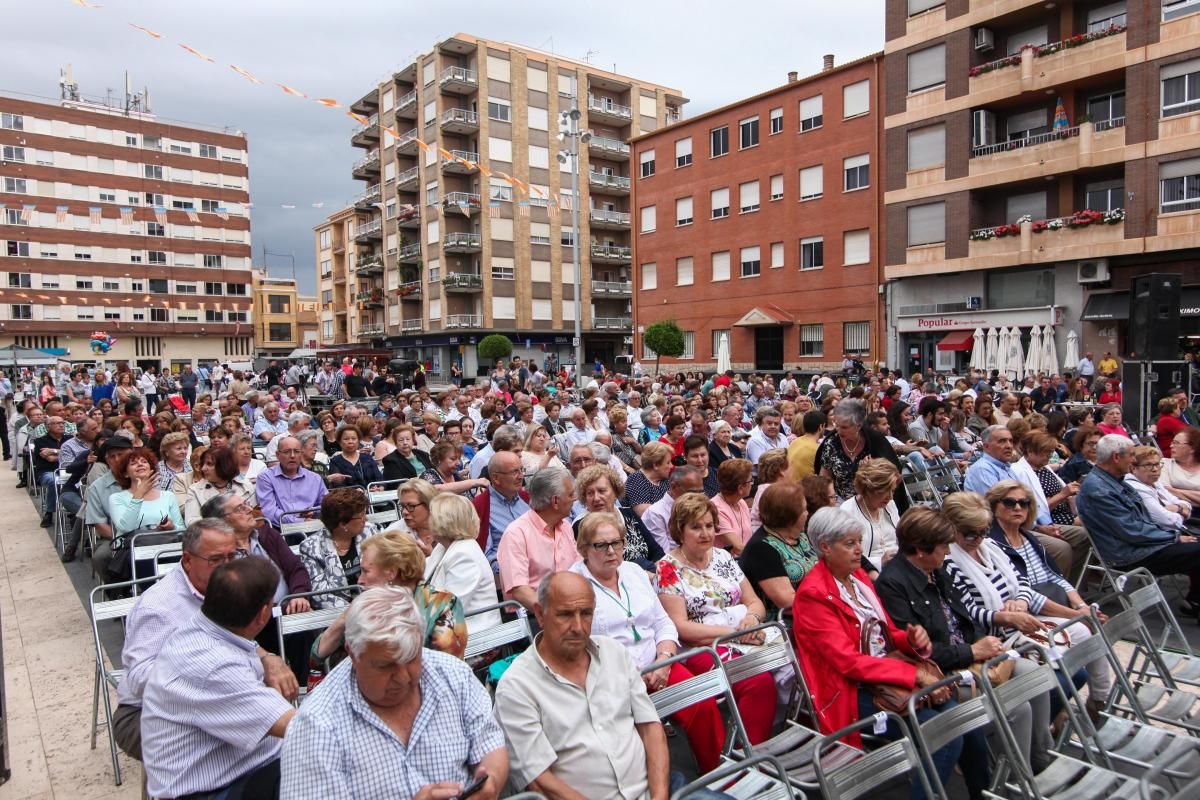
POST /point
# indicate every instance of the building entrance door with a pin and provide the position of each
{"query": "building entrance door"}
(768, 348)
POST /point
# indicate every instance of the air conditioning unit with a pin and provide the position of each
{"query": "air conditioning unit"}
(983, 128)
(974, 303)
(984, 39)
(1092, 271)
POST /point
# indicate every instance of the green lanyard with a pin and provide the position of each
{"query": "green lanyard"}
(627, 606)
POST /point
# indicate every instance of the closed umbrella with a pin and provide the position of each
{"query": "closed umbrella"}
(1002, 350)
(978, 350)
(1049, 352)
(1033, 358)
(1016, 361)
(1072, 358)
(723, 365)
(992, 358)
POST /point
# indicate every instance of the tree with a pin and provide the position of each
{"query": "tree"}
(665, 339)
(494, 346)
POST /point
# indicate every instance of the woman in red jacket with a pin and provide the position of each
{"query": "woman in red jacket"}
(833, 603)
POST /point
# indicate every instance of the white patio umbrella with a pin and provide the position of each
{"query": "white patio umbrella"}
(1015, 363)
(1071, 361)
(1002, 350)
(992, 349)
(1033, 358)
(723, 365)
(1049, 351)
(978, 350)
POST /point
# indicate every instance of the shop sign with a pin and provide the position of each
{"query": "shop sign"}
(1011, 317)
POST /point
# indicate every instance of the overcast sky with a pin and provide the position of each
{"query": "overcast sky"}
(300, 153)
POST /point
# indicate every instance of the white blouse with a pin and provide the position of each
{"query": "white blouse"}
(879, 535)
(463, 570)
(637, 608)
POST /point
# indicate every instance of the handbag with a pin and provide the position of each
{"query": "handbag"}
(996, 674)
(888, 696)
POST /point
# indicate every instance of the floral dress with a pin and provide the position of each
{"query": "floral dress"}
(831, 455)
(445, 624)
(712, 596)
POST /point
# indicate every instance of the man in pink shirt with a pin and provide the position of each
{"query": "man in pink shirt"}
(540, 541)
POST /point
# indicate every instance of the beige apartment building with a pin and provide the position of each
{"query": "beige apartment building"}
(437, 253)
(284, 320)
(1039, 156)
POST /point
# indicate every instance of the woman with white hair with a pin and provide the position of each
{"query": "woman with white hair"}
(722, 448)
(853, 441)
(457, 565)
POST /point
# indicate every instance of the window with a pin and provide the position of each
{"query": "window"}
(716, 339)
(190, 288)
(720, 266)
(812, 340)
(160, 315)
(83, 284)
(136, 258)
(926, 224)
(154, 172)
(212, 287)
(214, 316)
(539, 232)
(649, 219)
(111, 286)
(812, 252)
(112, 315)
(1021, 289)
(499, 110)
(12, 153)
(12, 122)
(83, 256)
(647, 159)
(927, 68)
(1105, 196)
(539, 156)
(748, 133)
(16, 186)
(856, 99)
(183, 205)
(751, 261)
(499, 192)
(108, 197)
(182, 149)
(1180, 88)
(136, 286)
(211, 206)
(856, 247)
(49, 281)
(1026, 124)
(55, 313)
(776, 121)
(918, 6)
(1179, 183)
(748, 197)
(324, 237)
(720, 203)
(857, 172)
(154, 229)
(500, 149)
(776, 187)
(239, 290)
(1173, 9)
(12, 216)
(856, 338)
(1107, 110)
(20, 280)
(719, 138)
(279, 331)
(683, 271)
(214, 262)
(683, 152)
(21, 311)
(811, 113)
(154, 199)
(649, 276)
(159, 286)
(776, 255)
(689, 344)
(683, 211)
(155, 257)
(566, 237)
(209, 151)
(927, 147)
(1034, 36)
(1105, 17)
(17, 249)
(1032, 205)
(811, 182)
(131, 141)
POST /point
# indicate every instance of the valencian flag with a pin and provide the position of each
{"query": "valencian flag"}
(27, 213)
(192, 216)
(1061, 122)
(494, 209)
(126, 216)
(160, 215)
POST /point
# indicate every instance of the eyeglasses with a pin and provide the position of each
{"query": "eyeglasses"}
(1155, 465)
(583, 461)
(975, 535)
(411, 506)
(1012, 502)
(240, 507)
(613, 547)
(217, 560)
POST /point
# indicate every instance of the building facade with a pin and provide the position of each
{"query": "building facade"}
(445, 250)
(758, 223)
(1038, 157)
(283, 320)
(341, 318)
(122, 224)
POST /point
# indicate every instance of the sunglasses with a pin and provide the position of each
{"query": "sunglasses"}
(975, 535)
(1012, 502)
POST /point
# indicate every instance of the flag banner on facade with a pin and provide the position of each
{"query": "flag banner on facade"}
(126, 216)
(160, 215)
(94, 215)
(567, 202)
(60, 214)
(553, 211)
(464, 208)
(192, 216)
(523, 208)
(223, 212)
(27, 213)
(494, 210)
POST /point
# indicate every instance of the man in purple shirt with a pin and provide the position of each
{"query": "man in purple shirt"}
(287, 486)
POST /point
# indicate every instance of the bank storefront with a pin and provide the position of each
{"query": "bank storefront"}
(943, 342)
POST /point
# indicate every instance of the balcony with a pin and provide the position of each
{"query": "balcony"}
(465, 203)
(464, 282)
(463, 321)
(367, 200)
(406, 106)
(367, 103)
(1055, 152)
(369, 230)
(410, 290)
(367, 166)
(612, 288)
(372, 331)
(458, 80)
(411, 325)
(463, 162)
(407, 143)
(409, 253)
(604, 147)
(604, 108)
(364, 135)
(368, 265)
(1084, 234)
(408, 180)
(459, 120)
(611, 254)
(609, 220)
(409, 216)
(602, 183)
(370, 298)
(462, 242)
(1050, 66)
(612, 323)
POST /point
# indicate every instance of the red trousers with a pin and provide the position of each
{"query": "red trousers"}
(756, 701)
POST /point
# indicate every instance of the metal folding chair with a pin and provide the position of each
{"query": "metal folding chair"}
(383, 519)
(876, 768)
(1095, 562)
(744, 780)
(294, 533)
(167, 560)
(710, 685)
(381, 492)
(943, 476)
(316, 620)
(941, 729)
(918, 487)
(1149, 787)
(502, 635)
(1170, 659)
(166, 542)
(60, 513)
(101, 610)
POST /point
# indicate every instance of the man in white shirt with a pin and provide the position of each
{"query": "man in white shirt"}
(767, 434)
(683, 480)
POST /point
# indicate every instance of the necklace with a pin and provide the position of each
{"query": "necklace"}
(852, 451)
(627, 606)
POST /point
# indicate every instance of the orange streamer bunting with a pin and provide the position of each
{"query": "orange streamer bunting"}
(293, 92)
(359, 118)
(198, 54)
(328, 101)
(244, 74)
(147, 31)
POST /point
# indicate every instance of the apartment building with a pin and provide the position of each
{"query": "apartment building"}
(120, 222)
(1039, 155)
(342, 317)
(758, 223)
(284, 320)
(446, 250)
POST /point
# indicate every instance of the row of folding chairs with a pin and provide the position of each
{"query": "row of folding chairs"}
(929, 486)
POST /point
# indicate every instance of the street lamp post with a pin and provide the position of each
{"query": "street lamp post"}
(568, 130)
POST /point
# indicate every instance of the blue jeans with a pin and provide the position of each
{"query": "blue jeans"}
(46, 479)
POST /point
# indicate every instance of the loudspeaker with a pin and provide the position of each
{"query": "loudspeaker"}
(1153, 333)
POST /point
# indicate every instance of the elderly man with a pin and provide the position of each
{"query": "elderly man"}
(1122, 530)
(45, 464)
(766, 434)
(578, 432)
(393, 719)
(995, 464)
(1006, 407)
(96, 497)
(540, 541)
(288, 486)
(505, 439)
(272, 423)
(164, 608)
(683, 480)
(210, 727)
(296, 421)
(574, 709)
(329, 380)
(188, 381)
(502, 504)
(74, 458)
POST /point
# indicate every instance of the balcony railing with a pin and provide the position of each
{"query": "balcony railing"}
(411, 289)
(457, 200)
(608, 145)
(602, 105)
(410, 324)
(612, 251)
(1080, 219)
(613, 323)
(462, 280)
(604, 216)
(410, 175)
(612, 287)
(408, 214)
(366, 229)
(461, 116)
(368, 265)
(464, 321)
(1028, 141)
(609, 181)
(1040, 51)
(462, 241)
(407, 138)
(1109, 124)
(463, 161)
(367, 160)
(406, 100)
(370, 331)
(371, 195)
(458, 75)
(409, 252)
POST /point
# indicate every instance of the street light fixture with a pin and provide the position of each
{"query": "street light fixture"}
(568, 132)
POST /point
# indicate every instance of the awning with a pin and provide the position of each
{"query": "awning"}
(54, 351)
(758, 317)
(1115, 305)
(957, 340)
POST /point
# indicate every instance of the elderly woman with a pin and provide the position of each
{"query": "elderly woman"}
(431, 425)
(706, 595)
(983, 416)
(333, 558)
(624, 443)
(818, 493)
(311, 456)
(539, 452)
(647, 486)
(1052, 493)
(351, 466)
(840, 455)
(778, 555)
(722, 448)
(243, 451)
(415, 497)
(1166, 509)
(652, 427)
(405, 461)
(598, 488)
(873, 507)
(1110, 420)
(1181, 472)
(836, 616)
(393, 559)
(1079, 465)
(173, 462)
(772, 469)
(327, 424)
(456, 564)
(733, 515)
(446, 460)
(218, 475)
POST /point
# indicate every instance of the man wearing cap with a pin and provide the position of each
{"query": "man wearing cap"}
(95, 504)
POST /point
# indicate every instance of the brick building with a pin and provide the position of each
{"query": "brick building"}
(759, 221)
(1011, 118)
(121, 222)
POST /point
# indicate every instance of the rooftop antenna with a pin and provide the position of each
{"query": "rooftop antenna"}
(588, 55)
(549, 39)
(130, 99)
(67, 87)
